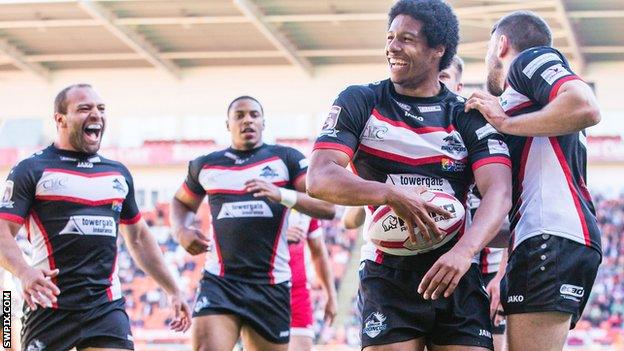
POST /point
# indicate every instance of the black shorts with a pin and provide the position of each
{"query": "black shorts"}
(264, 307)
(104, 326)
(393, 311)
(549, 273)
(500, 329)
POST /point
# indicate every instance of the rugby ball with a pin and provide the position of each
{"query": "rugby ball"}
(389, 233)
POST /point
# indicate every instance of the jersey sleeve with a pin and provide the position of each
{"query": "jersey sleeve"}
(130, 213)
(483, 143)
(19, 193)
(297, 165)
(346, 120)
(538, 74)
(191, 184)
(315, 230)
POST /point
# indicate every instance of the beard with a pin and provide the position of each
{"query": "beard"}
(495, 77)
(77, 141)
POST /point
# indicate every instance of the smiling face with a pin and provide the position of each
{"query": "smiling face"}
(82, 125)
(410, 59)
(245, 123)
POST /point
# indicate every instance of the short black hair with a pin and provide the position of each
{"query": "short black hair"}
(244, 97)
(524, 29)
(440, 25)
(60, 102)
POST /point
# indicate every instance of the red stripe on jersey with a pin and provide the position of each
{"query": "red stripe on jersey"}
(12, 218)
(298, 177)
(421, 130)
(278, 236)
(379, 256)
(568, 174)
(48, 244)
(82, 174)
(555, 89)
(404, 159)
(517, 108)
(132, 220)
(77, 200)
(190, 192)
(483, 260)
(109, 290)
(494, 159)
(239, 168)
(584, 190)
(28, 230)
(240, 192)
(314, 225)
(334, 146)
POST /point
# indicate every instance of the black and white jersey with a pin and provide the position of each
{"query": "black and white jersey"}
(549, 173)
(71, 204)
(249, 233)
(410, 141)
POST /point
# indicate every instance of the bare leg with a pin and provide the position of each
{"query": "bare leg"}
(524, 331)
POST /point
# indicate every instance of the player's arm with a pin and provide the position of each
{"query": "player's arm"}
(183, 208)
(320, 259)
(35, 282)
(330, 181)
(493, 289)
(296, 199)
(146, 253)
(573, 109)
(494, 182)
(353, 217)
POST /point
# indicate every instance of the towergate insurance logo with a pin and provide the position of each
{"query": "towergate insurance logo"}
(6, 319)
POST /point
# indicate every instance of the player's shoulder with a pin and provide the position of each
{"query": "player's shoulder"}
(210, 158)
(34, 162)
(530, 60)
(118, 165)
(367, 92)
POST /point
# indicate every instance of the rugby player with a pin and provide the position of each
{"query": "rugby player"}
(303, 229)
(543, 107)
(492, 261)
(412, 129)
(74, 202)
(245, 289)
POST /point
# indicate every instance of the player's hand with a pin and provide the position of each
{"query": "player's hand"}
(193, 241)
(261, 188)
(181, 321)
(295, 234)
(331, 309)
(38, 288)
(490, 108)
(408, 204)
(443, 277)
(493, 290)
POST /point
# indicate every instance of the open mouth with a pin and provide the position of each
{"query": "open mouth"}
(93, 132)
(396, 63)
(248, 131)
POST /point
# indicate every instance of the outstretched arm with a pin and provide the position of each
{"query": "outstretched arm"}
(494, 182)
(145, 251)
(320, 259)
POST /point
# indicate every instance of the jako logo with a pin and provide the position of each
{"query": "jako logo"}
(515, 298)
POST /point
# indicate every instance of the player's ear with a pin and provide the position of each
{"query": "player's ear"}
(439, 51)
(503, 46)
(60, 119)
(460, 86)
(227, 124)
